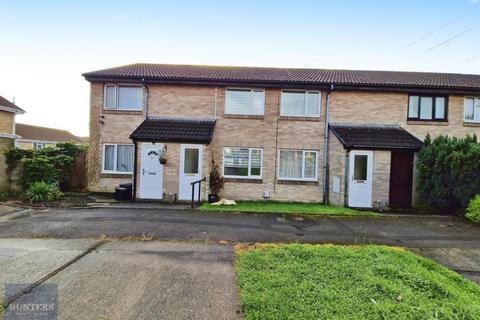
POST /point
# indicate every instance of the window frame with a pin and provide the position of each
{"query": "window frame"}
(115, 156)
(39, 144)
(246, 90)
(303, 165)
(475, 99)
(434, 101)
(117, 86)
(249, 176)
(305, 103)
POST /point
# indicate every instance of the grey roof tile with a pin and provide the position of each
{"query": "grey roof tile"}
(375, 137)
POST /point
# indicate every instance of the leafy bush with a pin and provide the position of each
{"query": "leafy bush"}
(38, 169)
(41, 191)
(449, 171)
(63, 164)
(4, 195)
(473, 210)
(52, 164)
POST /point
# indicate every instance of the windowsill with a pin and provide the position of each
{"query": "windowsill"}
(471, 124)
(115, 175)
(301, 118)
(113, 111)
(244, 180)
(298, 182)
(427, 123)
(243, 116)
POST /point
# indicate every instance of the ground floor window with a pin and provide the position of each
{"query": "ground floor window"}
(298, 165)
(40, 145)
(117, 158)
(242, 163)
(472, 110)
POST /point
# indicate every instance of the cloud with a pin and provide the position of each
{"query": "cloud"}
(474, 1)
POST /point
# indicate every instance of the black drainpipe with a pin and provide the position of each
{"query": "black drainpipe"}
(325, 148)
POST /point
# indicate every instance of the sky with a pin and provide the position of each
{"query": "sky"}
(47, 45)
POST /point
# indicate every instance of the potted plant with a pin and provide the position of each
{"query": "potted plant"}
(163, 156)
(216, 183)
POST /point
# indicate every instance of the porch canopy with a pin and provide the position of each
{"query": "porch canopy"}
(383, 137)
(175, 129)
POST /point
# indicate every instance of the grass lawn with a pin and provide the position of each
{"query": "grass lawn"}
(290, 208)
(349, 282)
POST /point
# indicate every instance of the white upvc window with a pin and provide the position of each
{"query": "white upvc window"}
(40, 145)
(123, 97)
(471, 111)
(300, 103)
(245, 101)
(117, 158)
(300, 165)
(244, 163)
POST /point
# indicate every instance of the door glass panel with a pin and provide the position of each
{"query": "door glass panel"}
(360, 167)
(191, 161)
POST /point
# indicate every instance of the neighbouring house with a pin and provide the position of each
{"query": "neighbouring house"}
(312, 135)
(35, 137)
(8, 110)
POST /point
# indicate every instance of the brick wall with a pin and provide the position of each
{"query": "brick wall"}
(381, 178)
(391, 108)
(337, 159)
(107, 127)
(7, 120)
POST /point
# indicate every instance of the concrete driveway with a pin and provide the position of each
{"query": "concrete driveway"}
(127, 279)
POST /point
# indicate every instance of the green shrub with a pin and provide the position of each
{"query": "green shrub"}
(63, 164)
(449, 171)
(473, 210)
(38, 169)
(61, 156)
(4, 195)
(41, 191)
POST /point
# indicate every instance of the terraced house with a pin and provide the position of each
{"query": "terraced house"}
(337, 136)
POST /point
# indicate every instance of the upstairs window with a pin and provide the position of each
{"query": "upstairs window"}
(245, 101)
(472, 110)
(119, 97)
(427, 108)
(300, 103)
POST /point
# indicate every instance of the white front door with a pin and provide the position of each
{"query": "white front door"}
(151, 171)
(360, 178)
(190, 169)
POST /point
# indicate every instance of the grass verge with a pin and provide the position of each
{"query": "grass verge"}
(350, 282)
(289, 208)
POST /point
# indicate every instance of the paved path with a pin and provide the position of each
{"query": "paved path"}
(126, 279)
(422, 232)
